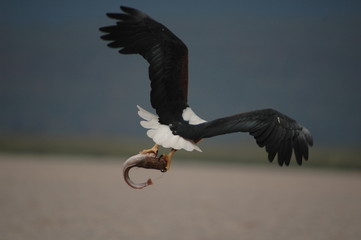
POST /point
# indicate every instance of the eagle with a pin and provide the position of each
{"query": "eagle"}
(175, 125)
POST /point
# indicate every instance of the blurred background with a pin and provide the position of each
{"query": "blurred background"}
(68, 120)
(63, 91)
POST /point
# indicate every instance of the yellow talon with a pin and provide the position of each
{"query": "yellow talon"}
(154, 150)
(168, 158)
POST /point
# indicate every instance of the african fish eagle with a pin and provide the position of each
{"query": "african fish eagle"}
(175, 125)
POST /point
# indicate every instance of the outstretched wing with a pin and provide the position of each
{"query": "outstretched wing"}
(279, 134)
(137, 33)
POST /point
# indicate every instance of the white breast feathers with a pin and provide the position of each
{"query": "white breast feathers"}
(162, 135)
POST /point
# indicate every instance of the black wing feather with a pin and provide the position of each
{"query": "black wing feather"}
(137, 33)
(278, 133)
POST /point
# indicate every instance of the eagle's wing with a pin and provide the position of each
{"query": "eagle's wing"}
(137, 33)
(278, 133)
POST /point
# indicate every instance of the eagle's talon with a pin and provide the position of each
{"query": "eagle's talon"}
(168, 159)
(154, 150)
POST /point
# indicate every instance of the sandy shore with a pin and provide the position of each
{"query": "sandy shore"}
(85, 198)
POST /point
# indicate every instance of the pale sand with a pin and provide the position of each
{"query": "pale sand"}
(85, 198)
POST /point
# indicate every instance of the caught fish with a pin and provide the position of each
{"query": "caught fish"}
(143, 160)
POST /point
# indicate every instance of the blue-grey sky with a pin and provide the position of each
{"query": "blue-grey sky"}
(302, 58)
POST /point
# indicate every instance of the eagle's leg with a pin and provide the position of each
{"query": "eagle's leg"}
(168, 158)
(154, 150)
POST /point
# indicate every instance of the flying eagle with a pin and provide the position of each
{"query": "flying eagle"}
(175, 125)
